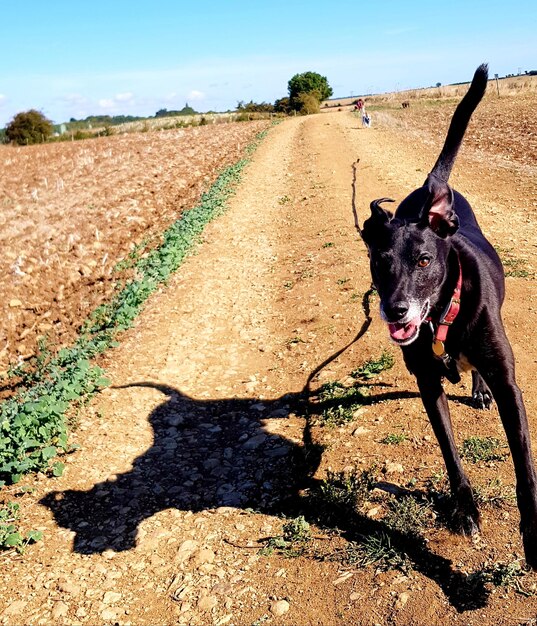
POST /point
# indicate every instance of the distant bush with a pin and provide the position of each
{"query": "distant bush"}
(309, 82)
(306, 103)
(186, 110)
(29, 127)
(255, 107)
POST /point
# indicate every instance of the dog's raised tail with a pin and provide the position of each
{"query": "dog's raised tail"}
(459, 123)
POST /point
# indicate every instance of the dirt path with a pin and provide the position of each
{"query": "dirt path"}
(195, 454)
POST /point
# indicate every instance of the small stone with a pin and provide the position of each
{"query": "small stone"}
(359, 431)
(255, 441)
(342, 578)
(354, 596)
(186, 550)
(402, 600)
(204, 556)
(68, 586)
(15, 302)
(60, 609)
(111, 597)
(277, 452)
(185, 606)
(393, 468)
(81, 612)
(279, 608)
(207, 603)
(111, 613)
(15, 608)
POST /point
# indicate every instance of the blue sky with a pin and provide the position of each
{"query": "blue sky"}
(76, 58)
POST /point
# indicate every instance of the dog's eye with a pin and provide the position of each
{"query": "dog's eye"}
(424, 261)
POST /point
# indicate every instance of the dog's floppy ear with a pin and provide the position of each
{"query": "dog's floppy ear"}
(438, 212)
(373, 226)
(378, 212)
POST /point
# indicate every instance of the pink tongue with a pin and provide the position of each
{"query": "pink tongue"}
(400, 332)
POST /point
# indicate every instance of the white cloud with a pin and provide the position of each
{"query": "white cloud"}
(124, 97)
(3, 99)
(106, 104)
(196, 95)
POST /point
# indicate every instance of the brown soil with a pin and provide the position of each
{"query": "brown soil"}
(195, 455)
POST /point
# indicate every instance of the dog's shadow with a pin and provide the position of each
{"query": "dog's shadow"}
(212, 453)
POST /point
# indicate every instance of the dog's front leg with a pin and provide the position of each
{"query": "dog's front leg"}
(466, 517)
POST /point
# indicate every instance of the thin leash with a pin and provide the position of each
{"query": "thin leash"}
(354, 211)
(365, 300)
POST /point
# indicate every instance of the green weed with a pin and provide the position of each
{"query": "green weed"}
(477, 449)
(408, 515)
(506, 575)
(394, 439)
(341, 493)
(494, 494)
(342, 402)
(514, 266)
(374, 367)
(10, 536)
(377, 550)
(296, 534)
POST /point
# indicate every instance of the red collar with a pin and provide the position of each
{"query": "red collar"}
(447, 318)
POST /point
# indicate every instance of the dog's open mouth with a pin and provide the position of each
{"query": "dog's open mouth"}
(404, 333)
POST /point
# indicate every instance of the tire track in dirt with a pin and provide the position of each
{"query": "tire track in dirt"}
(197, 448)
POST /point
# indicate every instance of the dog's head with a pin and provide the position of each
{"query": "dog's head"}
(408, 255)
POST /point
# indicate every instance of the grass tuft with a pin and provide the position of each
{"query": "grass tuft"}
(377, 550)
(394, 439)
(476, 449)
(10, 536)
(374, 367)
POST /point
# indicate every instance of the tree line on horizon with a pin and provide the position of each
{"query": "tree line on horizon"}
(306, 91)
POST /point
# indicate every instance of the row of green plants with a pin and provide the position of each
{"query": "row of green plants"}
(52, 387)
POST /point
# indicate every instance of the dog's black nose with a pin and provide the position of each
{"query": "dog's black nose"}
(395, 311)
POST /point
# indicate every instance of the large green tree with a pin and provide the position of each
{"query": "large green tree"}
(29, 127)
(311, 83)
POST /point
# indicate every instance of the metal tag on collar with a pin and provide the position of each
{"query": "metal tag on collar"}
(439, 348)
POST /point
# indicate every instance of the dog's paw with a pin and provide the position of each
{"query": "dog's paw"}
(481, 394)
(482, 399)
(466, 519)
(466, 524)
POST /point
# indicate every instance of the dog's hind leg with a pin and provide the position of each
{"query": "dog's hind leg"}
(466, 517)
(481, 394)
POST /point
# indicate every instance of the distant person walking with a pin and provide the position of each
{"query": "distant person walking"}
(359, 106)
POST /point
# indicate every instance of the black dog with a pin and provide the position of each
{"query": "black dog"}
(428, 261)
